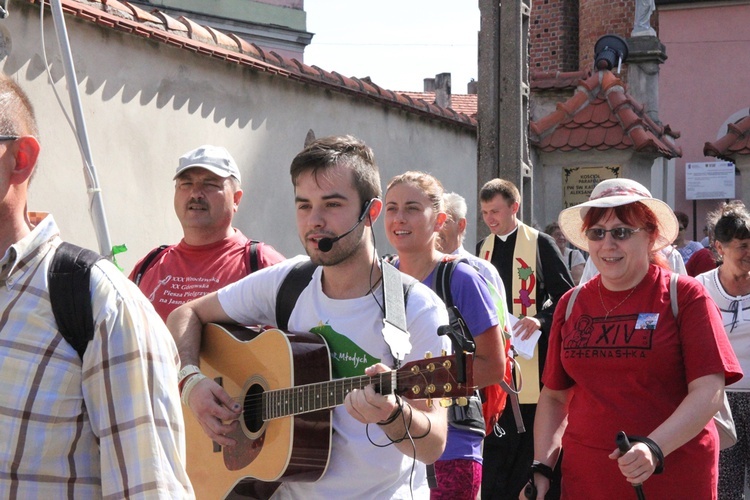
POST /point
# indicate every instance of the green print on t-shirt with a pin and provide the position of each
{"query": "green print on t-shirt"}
(347, 358)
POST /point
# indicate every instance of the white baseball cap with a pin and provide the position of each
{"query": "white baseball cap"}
(213, 158)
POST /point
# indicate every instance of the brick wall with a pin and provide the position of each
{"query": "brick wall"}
(602, 17)
(563, 33)
(553, 36)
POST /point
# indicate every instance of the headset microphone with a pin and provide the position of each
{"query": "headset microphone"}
(326, 244)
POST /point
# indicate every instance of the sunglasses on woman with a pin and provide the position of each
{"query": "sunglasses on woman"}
(618, 233)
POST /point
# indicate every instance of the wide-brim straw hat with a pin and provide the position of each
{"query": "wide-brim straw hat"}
(612, 193)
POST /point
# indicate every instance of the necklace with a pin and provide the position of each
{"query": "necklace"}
(609, 311)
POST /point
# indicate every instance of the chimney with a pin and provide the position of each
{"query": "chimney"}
(443, 90)
(471, 87)
(429, 85)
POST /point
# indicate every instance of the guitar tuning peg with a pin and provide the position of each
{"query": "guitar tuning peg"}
(443, 352)
(446, 402)
(427, 355)
(429, 402)
(462, 401)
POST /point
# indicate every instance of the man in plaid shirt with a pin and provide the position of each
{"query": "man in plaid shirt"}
(109, 424)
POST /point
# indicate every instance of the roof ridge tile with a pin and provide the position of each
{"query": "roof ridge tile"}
(142, 15)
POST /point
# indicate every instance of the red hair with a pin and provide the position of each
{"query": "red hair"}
(633, 214)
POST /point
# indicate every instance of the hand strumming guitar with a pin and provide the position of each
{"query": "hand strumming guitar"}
(216, 411)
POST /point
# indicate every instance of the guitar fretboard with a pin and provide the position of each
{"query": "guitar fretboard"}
(303, 399)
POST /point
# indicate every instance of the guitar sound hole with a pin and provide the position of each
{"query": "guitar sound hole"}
(253, 408)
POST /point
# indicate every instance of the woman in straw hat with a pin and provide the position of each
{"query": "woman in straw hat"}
(619, 360)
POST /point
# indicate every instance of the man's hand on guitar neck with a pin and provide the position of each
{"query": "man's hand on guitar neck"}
(427, 425)
(215, 410)
(369, 407)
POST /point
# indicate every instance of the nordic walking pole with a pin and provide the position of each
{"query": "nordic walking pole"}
(623, 443)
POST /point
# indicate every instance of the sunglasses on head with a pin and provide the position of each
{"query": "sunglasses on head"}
(618, 233)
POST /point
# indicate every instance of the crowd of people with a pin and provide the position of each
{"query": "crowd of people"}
(623, 358)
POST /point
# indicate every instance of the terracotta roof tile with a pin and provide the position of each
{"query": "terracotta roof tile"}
(556, 81)
(612, 137)
(461, 103)
(736, 142)
(143, 16)
(115, 7)
(169, 22)
(585, 115)
(596, 135)
(223, 40)
(601, 115)
(189, 35)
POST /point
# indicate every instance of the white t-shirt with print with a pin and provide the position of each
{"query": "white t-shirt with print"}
(357, 468)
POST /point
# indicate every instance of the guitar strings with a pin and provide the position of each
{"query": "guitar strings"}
(291, 401)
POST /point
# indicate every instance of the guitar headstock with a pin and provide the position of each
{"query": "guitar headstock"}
(435, 378)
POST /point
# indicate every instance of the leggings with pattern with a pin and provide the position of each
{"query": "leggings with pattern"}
(457, 480)
(734, 461)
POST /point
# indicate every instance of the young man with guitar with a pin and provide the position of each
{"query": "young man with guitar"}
(380, 442)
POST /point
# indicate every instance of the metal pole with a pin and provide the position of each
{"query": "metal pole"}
(96, 206)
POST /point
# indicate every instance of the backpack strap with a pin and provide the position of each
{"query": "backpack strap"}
(672, 296)
(146, 264)
(673, 293)
(572, 300)
(69, 279)
(253, 262)
(299, 277)
(286, 298)
(442, 282)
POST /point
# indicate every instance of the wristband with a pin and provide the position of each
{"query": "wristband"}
(541, 468)
(655, 451)
(192, 381)
(186, 371)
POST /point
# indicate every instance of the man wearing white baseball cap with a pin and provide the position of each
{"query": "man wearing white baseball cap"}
(212, 253)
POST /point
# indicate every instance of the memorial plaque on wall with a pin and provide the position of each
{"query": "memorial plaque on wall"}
(578, 182)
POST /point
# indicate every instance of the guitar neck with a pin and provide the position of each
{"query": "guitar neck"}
(324, 395)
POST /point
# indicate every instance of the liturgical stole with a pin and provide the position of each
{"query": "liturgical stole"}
(523, 293)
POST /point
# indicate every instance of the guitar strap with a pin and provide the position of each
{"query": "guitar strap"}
(394, 322)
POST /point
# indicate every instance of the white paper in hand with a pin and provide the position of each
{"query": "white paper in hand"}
(524, 348)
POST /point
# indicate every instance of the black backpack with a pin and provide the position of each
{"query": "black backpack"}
(69, 279)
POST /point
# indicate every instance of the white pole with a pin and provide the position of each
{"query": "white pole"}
(96, 206)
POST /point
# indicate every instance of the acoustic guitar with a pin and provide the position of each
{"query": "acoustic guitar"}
(283, 380)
